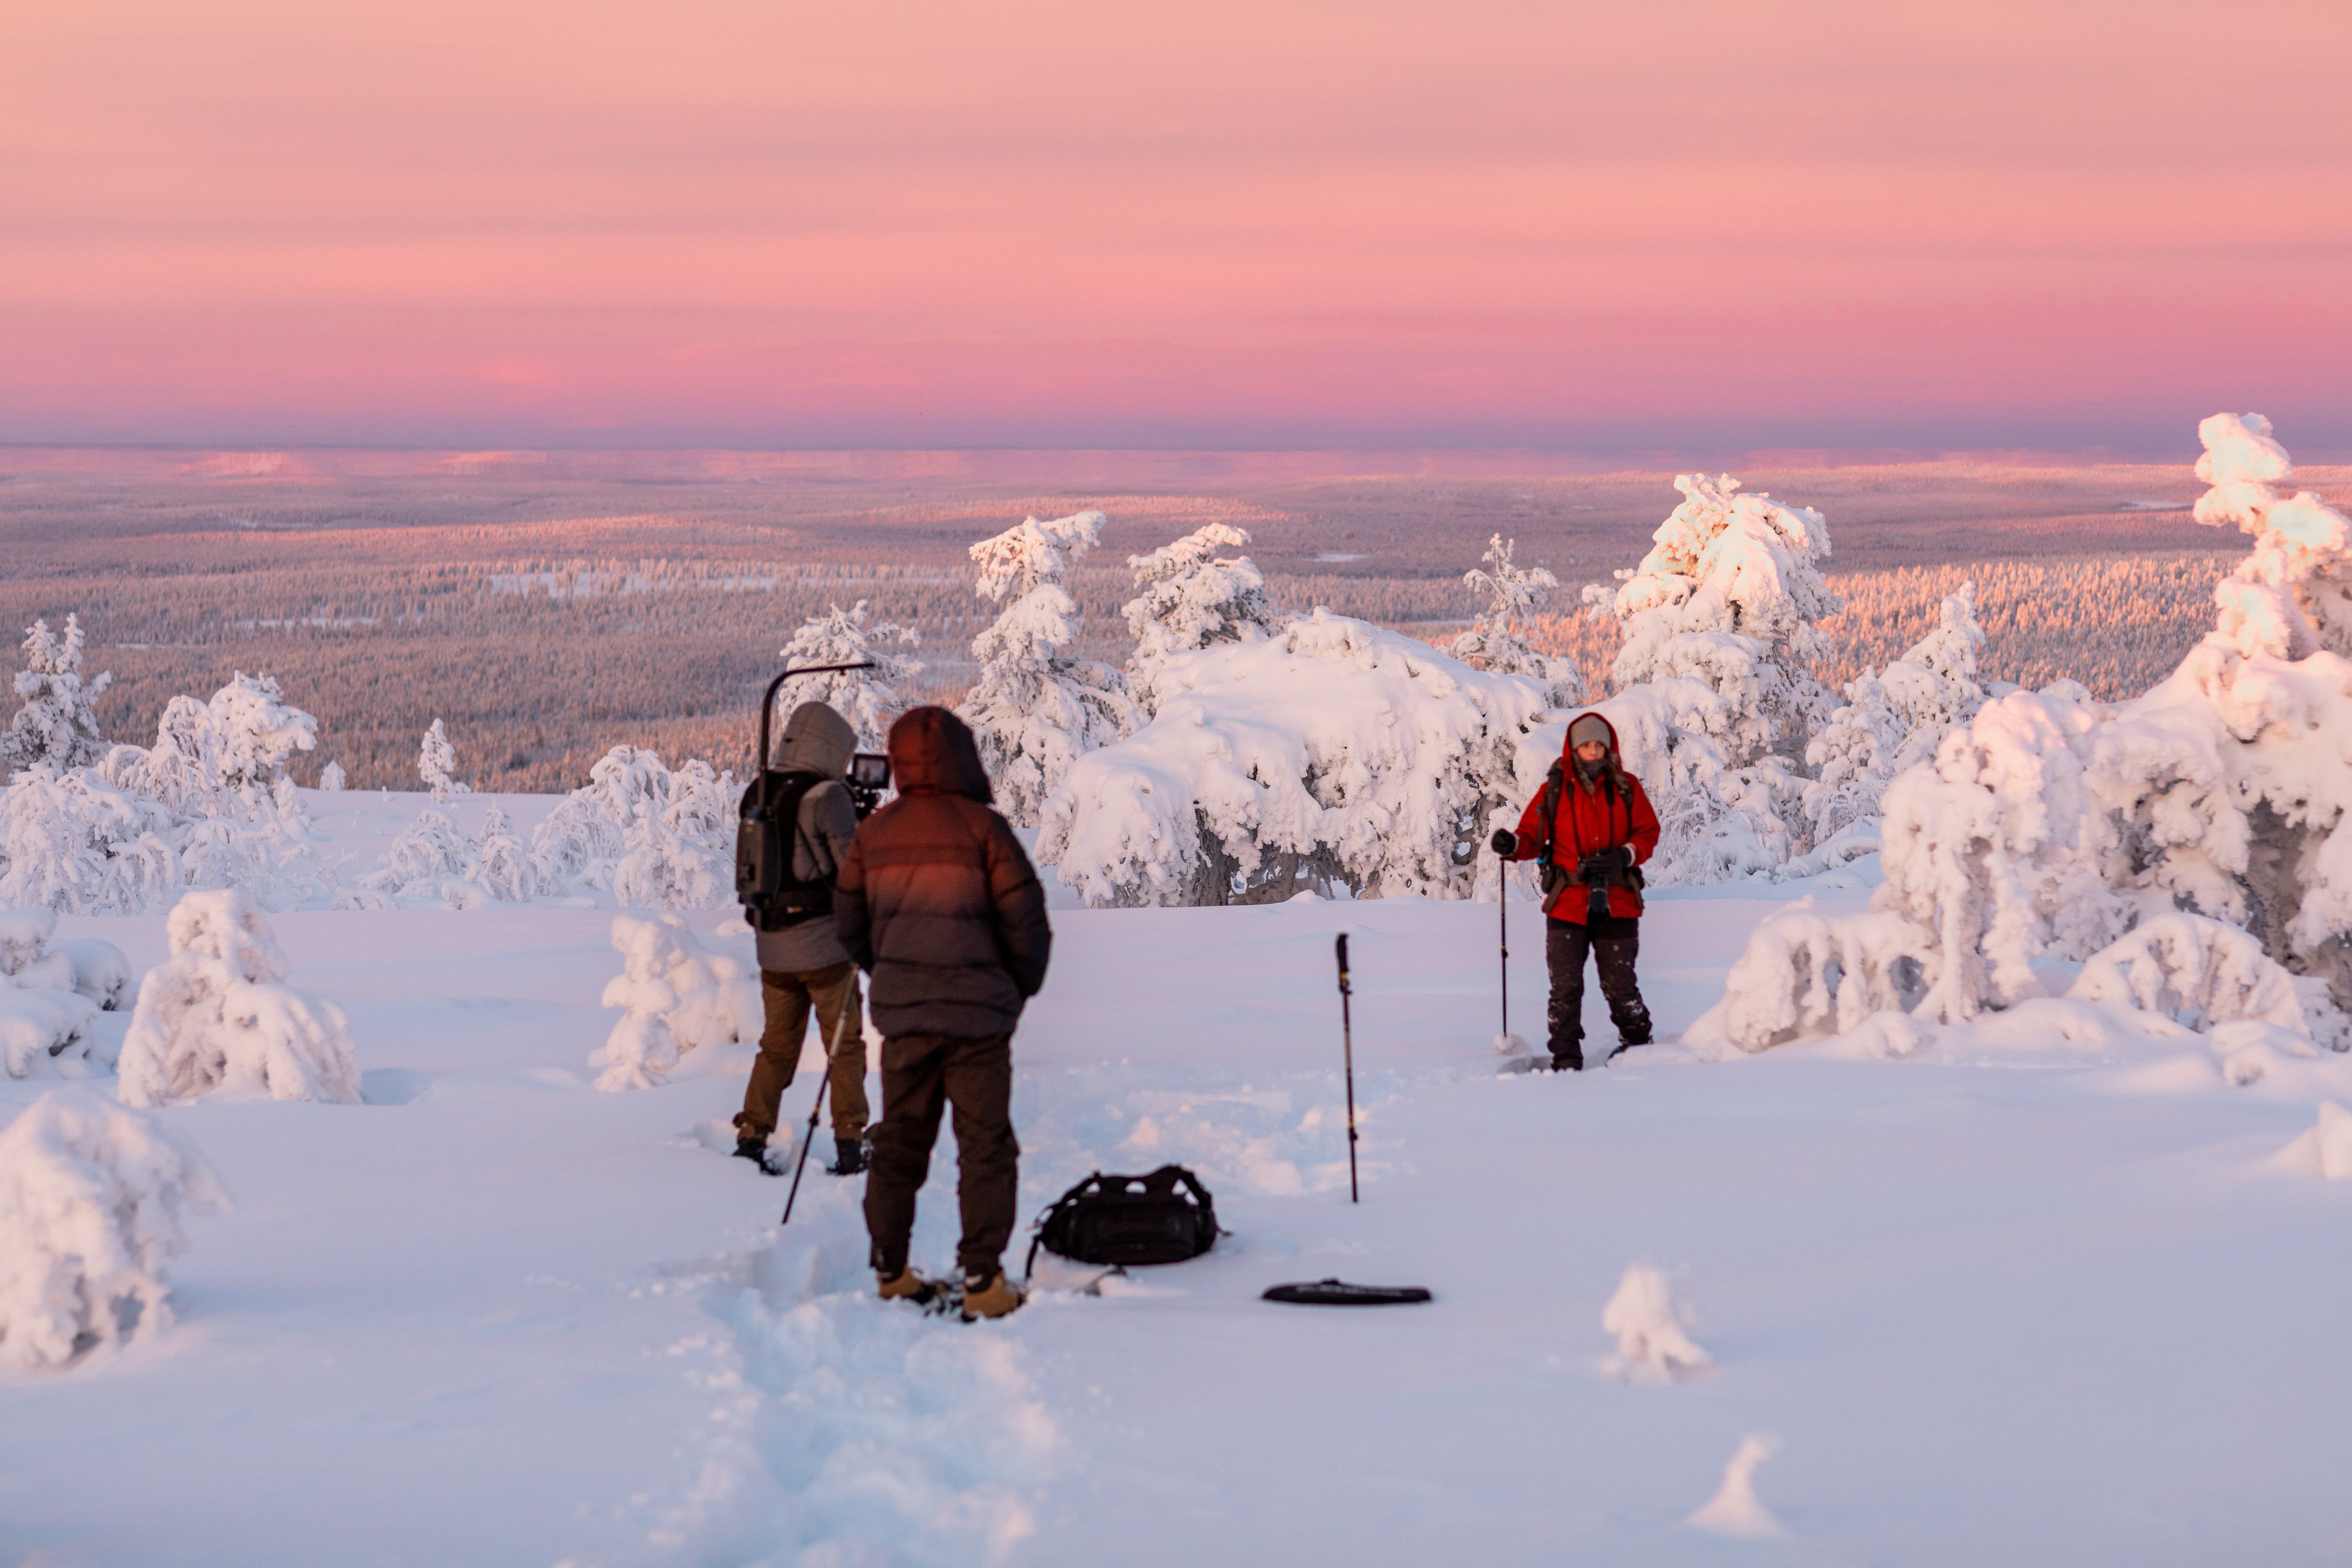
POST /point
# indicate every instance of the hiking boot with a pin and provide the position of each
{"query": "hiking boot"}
(848, 1157)
(905, 1285)
(751, 1146)
(990, 1295)
(1573, 1062)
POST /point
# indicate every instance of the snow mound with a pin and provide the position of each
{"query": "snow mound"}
(1806, 974)
(214, 1017)
(49, 996)
(676, 993)
(2326, 1148)
(91, 1198)
(1654, 1342)
(2197, 971)
(1735, 1510)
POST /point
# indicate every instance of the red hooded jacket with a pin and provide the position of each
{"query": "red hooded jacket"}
(1609, 811)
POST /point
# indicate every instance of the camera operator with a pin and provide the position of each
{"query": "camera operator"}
(1590, 828)
(803, 965)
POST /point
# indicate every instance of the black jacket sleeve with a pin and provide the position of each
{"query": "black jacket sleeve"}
(853, 918)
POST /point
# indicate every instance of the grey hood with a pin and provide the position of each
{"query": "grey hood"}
(816, 739)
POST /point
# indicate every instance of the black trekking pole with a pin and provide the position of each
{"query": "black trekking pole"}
(822, 1083)
(1347, 1047)
(1503, 921)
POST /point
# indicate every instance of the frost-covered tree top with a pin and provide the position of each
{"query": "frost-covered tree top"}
(1035, 709)
(1729, 564)
(1332, 746)
(255, 730)
(436, 761)
(2293, 594)
(1496, 640)
(1187, 598)
(55, 725)
(1893, 720)
(869, 699)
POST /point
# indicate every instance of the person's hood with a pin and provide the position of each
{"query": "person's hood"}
(1567, 744)
(816, 741)
(932, 752)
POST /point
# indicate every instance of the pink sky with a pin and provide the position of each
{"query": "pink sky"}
(771, 223)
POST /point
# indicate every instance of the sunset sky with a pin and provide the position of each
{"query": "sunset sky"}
(1220, 222)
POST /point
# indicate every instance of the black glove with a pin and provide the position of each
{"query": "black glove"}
(1505, 841)
(1604, 861)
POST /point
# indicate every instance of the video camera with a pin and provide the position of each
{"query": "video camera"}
(869, 775)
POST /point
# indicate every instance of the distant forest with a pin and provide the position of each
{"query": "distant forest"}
(547, 610)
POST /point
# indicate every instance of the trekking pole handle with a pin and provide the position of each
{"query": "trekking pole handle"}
(1343, 963)
(768, 702)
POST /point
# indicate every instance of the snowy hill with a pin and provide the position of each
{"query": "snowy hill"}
(2014, 1297)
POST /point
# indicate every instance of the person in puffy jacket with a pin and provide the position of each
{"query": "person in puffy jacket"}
(939, 903)
(1590, 827)
(804, 965)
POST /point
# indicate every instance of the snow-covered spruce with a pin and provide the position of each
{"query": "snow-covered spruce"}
(1496, 640)
(50, 994)
(1036, 710)
(657, 838)
(216, 1016)
(332, 778)
(425, 866)
(436, 765)
(1187, 599)
(869, 699)
(1332, 752)
(92, 1201)
(1715, 698)
(674, 995)
(56, 725)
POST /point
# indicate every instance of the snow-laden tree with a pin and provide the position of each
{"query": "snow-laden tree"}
(56, 725)
(1187, 598)
(1714, 675)
(1331, 752)
(1895, 719)
(1036, 710)
(332, 778)
(92, 1198)
(1497, 641)
(218, 1016)
(254, 730)
(437, 763)
(869, 699)
(657, 838)
(2052, 826)
(429, 866)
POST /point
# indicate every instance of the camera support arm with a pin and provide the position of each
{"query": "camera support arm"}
(768, 702)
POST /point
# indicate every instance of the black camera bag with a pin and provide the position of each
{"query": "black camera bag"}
(1164, 1217)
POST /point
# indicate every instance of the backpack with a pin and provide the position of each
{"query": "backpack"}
(1164, 1217)
(767, 826)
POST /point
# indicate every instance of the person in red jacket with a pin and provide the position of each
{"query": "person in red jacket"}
(1590, 827)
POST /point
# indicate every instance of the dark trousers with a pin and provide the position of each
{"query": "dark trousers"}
(923, 1074)
(787, 998)
(1614, 943)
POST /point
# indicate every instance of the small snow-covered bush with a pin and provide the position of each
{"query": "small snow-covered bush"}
(215, 1015)
(1333, 750)
(1653, 1330)
(50, 994)
(332, 778)
(502, 865)
(91, 1200)
(869, 699)
(657, 838)
(676, 995)
(1036, 710)
(1808, 975)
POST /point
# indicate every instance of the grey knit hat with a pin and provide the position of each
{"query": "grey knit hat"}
(1588, 728)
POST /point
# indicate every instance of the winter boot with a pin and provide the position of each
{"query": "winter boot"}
(990, 1295)
(906, 1286)
(754, 1148)
(1572, 1061)
(848, 1157)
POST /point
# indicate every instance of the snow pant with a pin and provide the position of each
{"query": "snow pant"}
(921, 1076)
(786, 997)
(1613, 944)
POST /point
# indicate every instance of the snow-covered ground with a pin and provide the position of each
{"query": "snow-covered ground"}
(2023, 1301)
